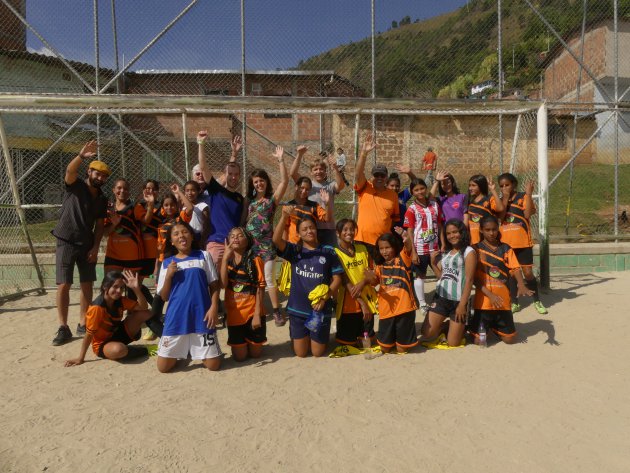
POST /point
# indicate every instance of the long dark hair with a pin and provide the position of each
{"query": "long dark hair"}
(463, 232)
(453, 184)
(109, 279)
(489, 219)
(394, 242)
(169, 249)
(481, 182)
(248, 256)
(251, 192)
(342, 223)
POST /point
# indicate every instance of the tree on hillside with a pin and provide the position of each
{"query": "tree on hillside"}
(394, 24)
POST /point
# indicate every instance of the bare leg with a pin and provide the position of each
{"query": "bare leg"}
(239, 353)
(115, 350)
(318, 349)
(432, 326)
(255, 351)
(301, 346)
(133, 322)
(63, 302)
(213, 364)
(273, 296)
(86, 299)
(455, 333)
(164, 365)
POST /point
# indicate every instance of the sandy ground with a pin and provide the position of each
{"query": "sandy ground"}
(557, 402)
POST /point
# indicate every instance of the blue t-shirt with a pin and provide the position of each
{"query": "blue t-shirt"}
(226, 208)
(189, 299)
(309, 269)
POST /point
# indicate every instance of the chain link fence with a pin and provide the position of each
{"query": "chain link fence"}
(468, 54)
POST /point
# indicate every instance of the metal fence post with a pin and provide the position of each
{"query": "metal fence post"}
(543, 193)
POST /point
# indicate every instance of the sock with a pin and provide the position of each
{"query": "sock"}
(513, 290)
(532, 285)
(418, 286)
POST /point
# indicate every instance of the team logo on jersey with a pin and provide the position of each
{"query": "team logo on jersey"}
(476, 218)
(510, 218)
(322, 260)
(118, 230)
(389, 281)
(455, 205)
(238, 287)
(494, 272)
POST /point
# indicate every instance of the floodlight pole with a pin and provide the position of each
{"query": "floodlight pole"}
(616, 59)
(18, 203)
(543, 194)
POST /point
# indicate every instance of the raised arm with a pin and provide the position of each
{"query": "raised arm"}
(530, 207)
(439, 176)
(284, 176)
(339, 182)
(72, 171)
(131, 279)
(369, 144)
(187, 204)
(294, 171)
(499, 206)
(403, 169)
(201, 155)
(277, 239)
(227, 255)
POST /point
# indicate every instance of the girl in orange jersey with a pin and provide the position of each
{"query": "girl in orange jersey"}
(243, 278)
(516, 232)
(396, 303)
(496, 266)
(482, 200)
(107, 331)
(124, 241)
(149, 215)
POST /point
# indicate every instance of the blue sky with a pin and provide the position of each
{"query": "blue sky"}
(279, 32)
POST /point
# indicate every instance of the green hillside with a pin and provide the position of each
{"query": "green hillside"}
(445, 55)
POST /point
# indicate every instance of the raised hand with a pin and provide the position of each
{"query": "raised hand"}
(89, 150)
(529, 187)
(175, 189)
(131, 279)
(332, 161)
(492, 188)
(369, 144)
(325, 197)
(201, 137)
(278, 153)
(148, 196)
(301, 149)
(287, 210)
(441, 175)
(236, 144)
(403, 169)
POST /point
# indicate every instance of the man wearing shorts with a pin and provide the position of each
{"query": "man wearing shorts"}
(78, 233)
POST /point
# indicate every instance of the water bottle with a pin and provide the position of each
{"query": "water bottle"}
(483, 340)
(367, 346)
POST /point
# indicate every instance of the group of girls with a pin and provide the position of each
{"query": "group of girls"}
(478, 240)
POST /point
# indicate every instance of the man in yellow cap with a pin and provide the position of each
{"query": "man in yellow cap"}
(79, 231)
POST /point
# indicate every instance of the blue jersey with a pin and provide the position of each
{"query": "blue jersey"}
(189, 299)
(309, 269)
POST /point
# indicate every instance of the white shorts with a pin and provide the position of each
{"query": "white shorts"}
(201, 346)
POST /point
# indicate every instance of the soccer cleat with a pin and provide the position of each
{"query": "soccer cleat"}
(64, 335)
(150, 336)
(516, 308)
(278, 318)
(80, 330)
(540, 308)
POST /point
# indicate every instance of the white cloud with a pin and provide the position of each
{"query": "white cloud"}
(43, 50)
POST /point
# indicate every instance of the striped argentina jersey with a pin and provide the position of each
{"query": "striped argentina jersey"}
(451, 283)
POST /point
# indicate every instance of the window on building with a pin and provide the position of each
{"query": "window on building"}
(556, 136)
(153, 169)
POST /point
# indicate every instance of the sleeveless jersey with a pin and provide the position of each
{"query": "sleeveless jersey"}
(451, 283)
(476, 211)
(354, 267)
(515, 230)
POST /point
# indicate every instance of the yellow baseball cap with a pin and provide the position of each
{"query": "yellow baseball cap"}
(101, 167)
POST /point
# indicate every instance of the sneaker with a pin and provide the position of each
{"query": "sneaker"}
(540, 308)
(516, 308)
(150, 336)
(278, 318)
(80, 330)
(64, 335)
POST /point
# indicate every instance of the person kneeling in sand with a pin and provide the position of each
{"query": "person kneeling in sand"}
(106, 330)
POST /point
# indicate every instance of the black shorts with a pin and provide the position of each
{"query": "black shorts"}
(500, 322)
(398, 330)
(525, 256)
(241, 335)
(132, 265)
(147, 266)
(420, 269)
(120, 335)
(66, 256)
(350, 327)
(444, 307)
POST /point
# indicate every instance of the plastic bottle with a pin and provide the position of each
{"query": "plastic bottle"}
(367, 346)
(483, 339)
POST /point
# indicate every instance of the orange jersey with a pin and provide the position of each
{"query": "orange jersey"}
(493, 273)
(149, 230)
(395, 293)
(163, 230)
(515, 229)
(311, 209)
(241, 289)
(125, 241)
(476, 211)
(429, 160)
(101, 322)
(378, 211)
